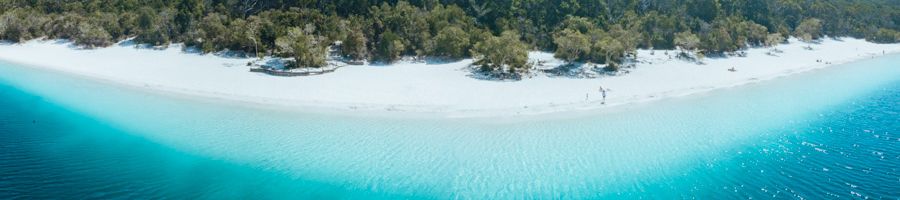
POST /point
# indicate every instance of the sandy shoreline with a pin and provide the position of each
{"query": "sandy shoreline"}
(443, 89)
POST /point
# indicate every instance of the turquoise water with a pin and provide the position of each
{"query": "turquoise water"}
(824, 134)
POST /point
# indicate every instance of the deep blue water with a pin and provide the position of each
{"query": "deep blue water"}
(836, 147)
(849, 151)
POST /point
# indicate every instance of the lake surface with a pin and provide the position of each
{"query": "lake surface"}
(832, 133)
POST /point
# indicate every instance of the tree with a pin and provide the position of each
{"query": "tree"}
(627, 36)
(306, 49)
(505, 54)
(580, 24)
(354, 46)
(188, 12)
(662, 29)
(211, 33)
(704, 9)
(109, 22)
(451, 43)
(253, 32)
(13, 27)
(92, 36)
(809, 30)
(58, 26)
(717, 41)
(390, 47)
(886, 36)
(406, 22)
(150, 28)
(571, 45)
(445, 16)
(387, 30)
(687, 41)
(756, 34)
(612, 50)
(242, 36)
(595, 54)
(774, 39)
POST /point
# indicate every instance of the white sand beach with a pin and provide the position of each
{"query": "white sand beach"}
(445, 89)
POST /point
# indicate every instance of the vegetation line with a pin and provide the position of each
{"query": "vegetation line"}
(498, 34)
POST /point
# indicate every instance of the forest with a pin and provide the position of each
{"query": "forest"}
(497, 33)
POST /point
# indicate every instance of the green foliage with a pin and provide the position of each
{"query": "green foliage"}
(706, 10)
(354, 45)
(809, 30)
(390, 47)
(211, 33)
(243, 36)
(687, 41)
(717, 41)
(13, 26)
(659, 30)
(59, 26)
(580, 24)
(442, 17)
(627, 36)
(387, 30)
(150, 27)
(774, 39)
(600, 45)
(109, 23)
(504, 54)
(571, 45)
(886, 36)
(91, 36)
(451, 43)
(188, 11)
(581, 40)
(306, 49)
(408, 25)
(731, 34)
(611, 49)
(748, 32)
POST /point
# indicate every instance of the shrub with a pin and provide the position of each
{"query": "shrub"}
(305, 48)
(354, 46)
(451, 42)
(91, 36)
(571, 45)
(886, 36)
(505, 54)
(390, 48)
(809, 30)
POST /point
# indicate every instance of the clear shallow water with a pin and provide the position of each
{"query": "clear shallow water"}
(826, 134)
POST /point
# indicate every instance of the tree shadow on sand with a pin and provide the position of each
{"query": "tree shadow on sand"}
(568, 71)
(482, 73)
(574, 71)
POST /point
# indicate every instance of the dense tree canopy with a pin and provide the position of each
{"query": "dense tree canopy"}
(809, 30)
(886, 36)
(578, 30)
(687, 41)
(306, 49)
(90, 36)
(452, 43)
(354, 45)
(504, 54)
(572, 45)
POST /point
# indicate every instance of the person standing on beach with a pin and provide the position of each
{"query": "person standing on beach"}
(603, 93)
